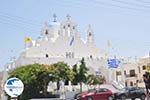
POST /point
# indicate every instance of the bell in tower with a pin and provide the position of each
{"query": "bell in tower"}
(90, 36)
(68, 27)
(45, 30)
(51, 31)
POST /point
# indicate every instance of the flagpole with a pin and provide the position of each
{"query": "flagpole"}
(110, 75)
(110, 70)
(122, 74)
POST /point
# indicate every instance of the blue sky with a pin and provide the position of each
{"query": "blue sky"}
(125, 23)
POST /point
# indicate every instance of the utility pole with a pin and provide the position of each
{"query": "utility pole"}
(5, 75)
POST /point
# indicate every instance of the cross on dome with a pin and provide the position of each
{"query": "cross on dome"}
(89, 26)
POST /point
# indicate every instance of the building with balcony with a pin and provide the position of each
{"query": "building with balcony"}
(131, 72)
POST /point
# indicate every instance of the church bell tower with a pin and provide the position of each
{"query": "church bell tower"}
(90, 36)
(68, 28)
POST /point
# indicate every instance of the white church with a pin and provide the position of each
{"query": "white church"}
(61, 41)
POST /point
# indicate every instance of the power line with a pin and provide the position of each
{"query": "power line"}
(23, 21)
(106, 5)
(18, 22)
(122, 7)
(79, 3)
(113, 9)
(131, 3)
(18, 19)
(10, 21)
(142, 1)
(17, 26)
(66, 3)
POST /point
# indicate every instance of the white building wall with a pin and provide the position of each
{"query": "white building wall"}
(58, 45)
(137, 66)
(93, 64)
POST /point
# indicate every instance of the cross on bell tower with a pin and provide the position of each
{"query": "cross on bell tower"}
(68, 17)
(55, 17)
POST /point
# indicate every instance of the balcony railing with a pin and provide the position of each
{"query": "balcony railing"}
(131, 75)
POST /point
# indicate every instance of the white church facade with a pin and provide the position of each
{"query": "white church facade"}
(62, 42)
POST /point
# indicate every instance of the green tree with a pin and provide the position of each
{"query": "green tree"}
(80, 73)
(63, 71)
(35, 78)
(29, 75)
(94, 80)
(76, 75)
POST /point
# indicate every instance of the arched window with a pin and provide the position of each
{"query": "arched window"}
(66, 82)
(91, 57)
(144, 67)
(125, 73)
(126, 83)
(46, 55)
(46, 32)
(68, 25)
(90, 34)
(73, 27)
(132, 73)
(58, 32)
(131, 83)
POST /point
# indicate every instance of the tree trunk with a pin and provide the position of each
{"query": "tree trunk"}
(45, 89)
(80, 86)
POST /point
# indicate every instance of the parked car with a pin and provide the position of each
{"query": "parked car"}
(131, 93)
(96, 94)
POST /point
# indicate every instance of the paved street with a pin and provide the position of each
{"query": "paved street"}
(65, 99)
